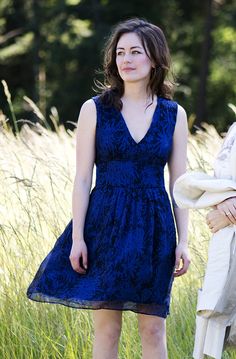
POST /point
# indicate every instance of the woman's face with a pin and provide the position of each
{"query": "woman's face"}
(132, 62)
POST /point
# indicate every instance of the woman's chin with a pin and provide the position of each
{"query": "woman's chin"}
(133, 79)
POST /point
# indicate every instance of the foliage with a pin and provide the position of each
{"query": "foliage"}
(49, 51)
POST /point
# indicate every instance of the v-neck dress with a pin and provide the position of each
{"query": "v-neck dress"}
(129, 227)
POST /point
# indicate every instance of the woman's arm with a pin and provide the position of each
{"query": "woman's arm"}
(85, 156)
(177, 166)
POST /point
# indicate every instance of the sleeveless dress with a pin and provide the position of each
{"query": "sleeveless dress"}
(129, 227)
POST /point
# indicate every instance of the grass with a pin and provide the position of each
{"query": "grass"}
(37, 169)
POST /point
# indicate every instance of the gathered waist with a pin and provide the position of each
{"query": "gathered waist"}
(132, 187)
(108, 193)
(129, 174)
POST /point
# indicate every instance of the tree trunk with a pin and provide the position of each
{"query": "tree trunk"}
(36, 48)
(201, 110)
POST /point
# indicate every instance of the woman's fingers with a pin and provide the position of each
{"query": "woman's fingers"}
(77, 264)
(78, 257)
(184, 267)
(208, 218)
(228, 207)
(216, 220)
(183, 259)
(85, 260)
(177, 259)
(226, 211)
(231, 217)
(230, 212)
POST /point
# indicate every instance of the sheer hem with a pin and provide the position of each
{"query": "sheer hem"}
(142, 308)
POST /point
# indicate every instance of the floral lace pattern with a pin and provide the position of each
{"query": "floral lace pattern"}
(129, 227)
(222, 166)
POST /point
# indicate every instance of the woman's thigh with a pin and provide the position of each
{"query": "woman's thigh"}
(107, 319)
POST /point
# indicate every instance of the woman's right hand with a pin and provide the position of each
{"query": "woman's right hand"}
(217, 220)
(79, 256)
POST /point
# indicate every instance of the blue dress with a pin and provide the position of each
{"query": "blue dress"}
(129, 227)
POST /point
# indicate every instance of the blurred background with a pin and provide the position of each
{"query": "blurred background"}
(50, 51)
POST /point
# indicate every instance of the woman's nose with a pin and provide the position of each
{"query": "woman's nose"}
(127, 58)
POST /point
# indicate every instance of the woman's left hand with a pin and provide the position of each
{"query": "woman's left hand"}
(217, 220)
(228, 208)
(181, 256)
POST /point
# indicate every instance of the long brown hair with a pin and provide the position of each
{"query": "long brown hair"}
(154, 43)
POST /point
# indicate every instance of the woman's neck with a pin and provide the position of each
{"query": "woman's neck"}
(136, 92)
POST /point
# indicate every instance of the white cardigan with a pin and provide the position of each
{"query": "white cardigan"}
(216, 307)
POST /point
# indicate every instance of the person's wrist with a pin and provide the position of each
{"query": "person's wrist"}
(183, 242)
(77, 238)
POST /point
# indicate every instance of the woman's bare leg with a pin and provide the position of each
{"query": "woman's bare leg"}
(152, 330)
(107, 329)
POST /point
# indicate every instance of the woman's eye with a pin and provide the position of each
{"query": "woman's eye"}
(121, 53)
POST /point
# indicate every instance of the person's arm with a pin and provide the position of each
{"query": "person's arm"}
(177, 166)
(85, 156)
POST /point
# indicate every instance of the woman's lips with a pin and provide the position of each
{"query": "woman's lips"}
(127, 69)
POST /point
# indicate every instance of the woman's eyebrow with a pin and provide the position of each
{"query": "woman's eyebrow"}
(133, 47)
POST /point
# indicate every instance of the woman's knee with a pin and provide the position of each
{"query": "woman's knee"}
(108, 333)
(152, 330)
(108, 326)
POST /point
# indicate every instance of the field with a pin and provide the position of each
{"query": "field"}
(36, 174)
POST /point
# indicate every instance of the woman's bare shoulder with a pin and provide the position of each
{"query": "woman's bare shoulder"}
(87, 115)
(181, 111)
(88, 106)
(181, 119)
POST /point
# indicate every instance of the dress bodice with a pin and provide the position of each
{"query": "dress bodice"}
(120, 161)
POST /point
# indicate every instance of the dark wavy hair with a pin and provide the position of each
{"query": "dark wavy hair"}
(156, 48)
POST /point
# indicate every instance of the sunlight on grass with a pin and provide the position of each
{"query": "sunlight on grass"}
(37, 169)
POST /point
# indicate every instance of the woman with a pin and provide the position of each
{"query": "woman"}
(216, 307)
(119, 251)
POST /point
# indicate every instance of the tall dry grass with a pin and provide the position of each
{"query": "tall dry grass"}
(37, 169)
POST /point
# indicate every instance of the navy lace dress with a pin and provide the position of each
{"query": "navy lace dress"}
(129, 228)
